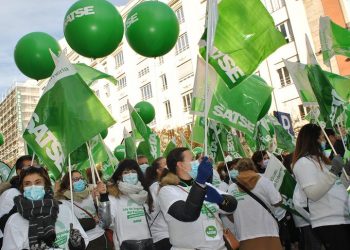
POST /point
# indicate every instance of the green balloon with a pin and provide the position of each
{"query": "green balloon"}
(32, 55)
(119, 152)
(1, 139)
(152, 28)
(104, 133)
(146, 111)
(93, 28)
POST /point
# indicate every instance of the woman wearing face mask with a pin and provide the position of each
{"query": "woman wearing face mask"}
(41, 221)
(129, 203)
(261, 159)
(181, 200)
(86, 210)
(158, 225)
(327, 199)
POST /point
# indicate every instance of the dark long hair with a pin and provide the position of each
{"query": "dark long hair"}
(151, 174)
(129, 164)
(307, 144)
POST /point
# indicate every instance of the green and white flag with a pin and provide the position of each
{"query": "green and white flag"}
(184, 141)
(89, 74)
(285, 142)
(215, 150)
(329, 102)
(335, 40)
(67, 115)
(283, 182)
(230, 143)
(171, 145)
(4, 171)
(245, 35)
(150, 137)
(130, 145)
(341, 84)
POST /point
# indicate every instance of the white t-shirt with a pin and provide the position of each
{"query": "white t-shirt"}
(300, 202)
(205, 233)
(333, 207)
(159, 228)
(128, 218)
(16, 230)
(88, 205)
(251, 219)
(7, 203)
(218, 183)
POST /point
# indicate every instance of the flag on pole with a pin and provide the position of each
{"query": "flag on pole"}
(150, 137)
(89, 74)
(335, 40)
(245, 35)
(341, 84)
(130, 145)
(5, 171)
(67, 115)
(285, 142)
(171, 145)
(283, 182)
(329, 102)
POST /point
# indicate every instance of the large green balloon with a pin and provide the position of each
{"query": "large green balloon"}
(152, 28)
(32, 55)
(104, 133)
(1, 139)
(119, 152)
(146, 111)
(93, 28)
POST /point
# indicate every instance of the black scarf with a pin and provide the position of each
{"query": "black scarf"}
(42, 215)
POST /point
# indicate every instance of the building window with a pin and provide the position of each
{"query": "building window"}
(107, 89)
(284, 76)
(185, 71)
(105, 67)
(180, 15)
(119, 59)
(143, 72)
(161, 59)
(146, 91)
(123, 108)
(286, 31)
(301, 111)
(164, 82)
(182, 44)
(167, 109)
(273, 5)
(186, 99)
(257, 73)
(121, 82)
(97, 93)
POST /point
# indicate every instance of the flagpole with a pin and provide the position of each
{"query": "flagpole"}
(92, 167)
(192, 132)
(71, 186)
(222, 152)
(32, 162)
(341, 136)
(209, 38)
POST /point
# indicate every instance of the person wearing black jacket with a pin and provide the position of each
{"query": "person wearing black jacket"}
(337, 143)
(186, 196)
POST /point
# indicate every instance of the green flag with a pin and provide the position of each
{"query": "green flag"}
(245, 36)
(198, 130)
(150, 137)
(4, 171)
(335, 40)
(341, 84)
(130, 145)
(215, 150)
(171, 145)
(89, 74)
(184, 141)
(67, 115)
(230, 142)
(285, 142)
(329, 102)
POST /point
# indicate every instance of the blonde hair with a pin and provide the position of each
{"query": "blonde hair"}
(246, 164)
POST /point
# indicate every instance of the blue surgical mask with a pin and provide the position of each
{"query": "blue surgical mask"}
(323, 145)
(34, 193)
(144, 167)
(194, 169)
(233, 173)
(130, 178)
(79, 186)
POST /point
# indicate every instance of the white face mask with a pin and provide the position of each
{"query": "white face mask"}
(130, 178)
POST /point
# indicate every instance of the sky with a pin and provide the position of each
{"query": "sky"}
(20, 17)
